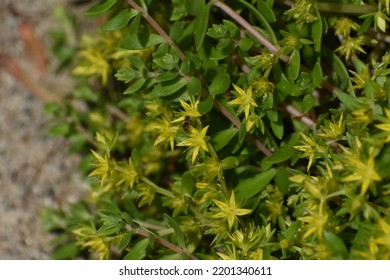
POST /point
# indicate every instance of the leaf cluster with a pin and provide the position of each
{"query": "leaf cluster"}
(249, 129)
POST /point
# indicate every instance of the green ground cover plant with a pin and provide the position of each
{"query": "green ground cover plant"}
(245, 129)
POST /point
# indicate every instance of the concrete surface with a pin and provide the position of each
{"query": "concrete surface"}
(35, 169)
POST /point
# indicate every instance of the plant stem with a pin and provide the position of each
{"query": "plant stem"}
(298, 115)
(246, 25)
(227, 114)
(261, 18)
(342, 192)
(157, 27)
(163, 242)
(148, 225)
(115, 111)
(237, 123)
(157, 188)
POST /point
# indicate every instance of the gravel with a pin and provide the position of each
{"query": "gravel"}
(36, 170)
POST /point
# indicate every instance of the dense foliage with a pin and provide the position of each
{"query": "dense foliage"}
(245, 129)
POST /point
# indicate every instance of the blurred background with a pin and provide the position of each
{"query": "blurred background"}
(36, 170)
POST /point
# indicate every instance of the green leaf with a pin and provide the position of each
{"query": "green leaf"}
(359, 65)
(295, 64)
(125, 241)
(206, 105)
(120, 20)
(250, 187)
(242, 133)
(187, 182)
(178, 10)
(176, 30)
(201, 23)
(383, 162)
(284, 153)
(367, 23)
(169, 87)
(317, 75)
(287, 88)
(85, 93)
(220, 84)
(172, 257)
(266, 11)
(59, 130)
(111, 225)
(134, 24)
(161, 50)
(140, 41)
(223, 52)
(52, 219)
(292, 230)
(109, 208)
(194, 86)
(136, 158)
(136, 86)
(185, 66)
(53, 108)
(230, 162)
(218, 31)
(308, 103)
(245, 44)
(100, 8)
(231, 27)
(193, 7)
(223, 44)
(126, 74)
(278, 128)
(77, 141)
(349, 101)
(316, 31)
(136, 63)
(273, 115)
(336, 244)
(222, 138)
(66, 252)
(341, 72)
(305, 41)
(178, 232)
(165, 76)
(138, 252)
(168, 61)
(282, 181)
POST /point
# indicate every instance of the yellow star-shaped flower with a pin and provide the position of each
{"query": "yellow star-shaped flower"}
(196, 141)
(166, 132)
(245, 100)
(386, 125)
(230, 211)
(190, 110)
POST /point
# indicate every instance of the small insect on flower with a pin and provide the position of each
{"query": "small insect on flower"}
(186, 124)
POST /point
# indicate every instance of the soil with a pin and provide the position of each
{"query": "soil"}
(36, 170)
